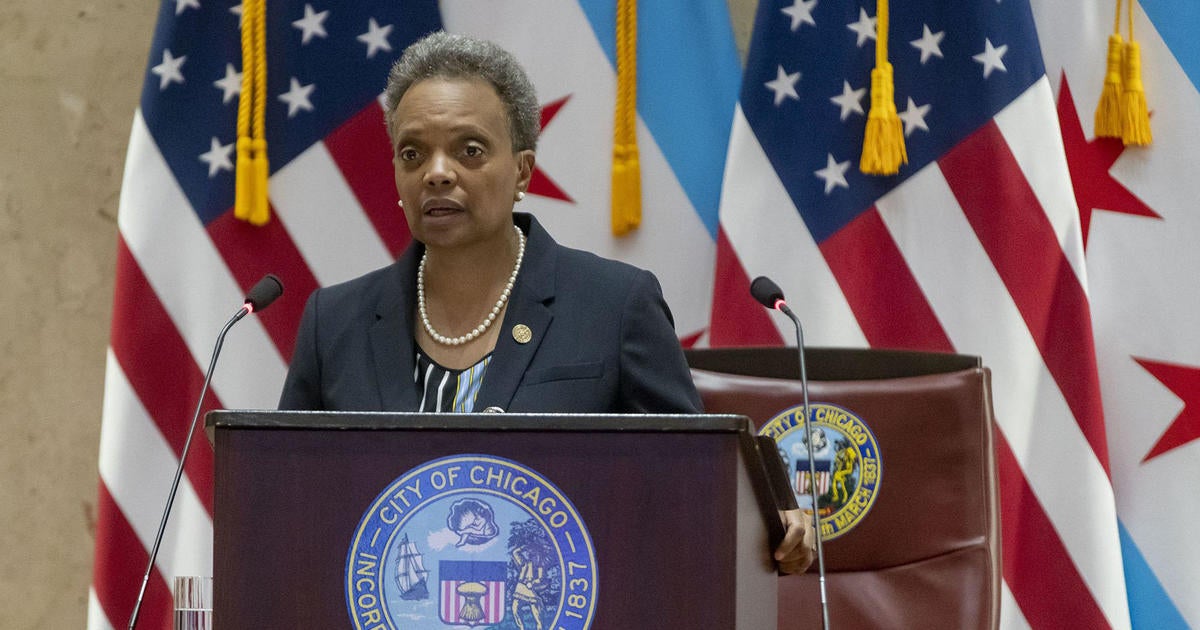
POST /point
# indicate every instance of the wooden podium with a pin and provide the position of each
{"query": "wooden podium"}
(678, 509)
(928, 553)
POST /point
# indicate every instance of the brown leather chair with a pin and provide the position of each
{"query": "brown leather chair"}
(926, 555)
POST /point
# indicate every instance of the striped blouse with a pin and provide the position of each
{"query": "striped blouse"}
(446, 390)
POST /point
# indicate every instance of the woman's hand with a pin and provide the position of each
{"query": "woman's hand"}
(798, 548)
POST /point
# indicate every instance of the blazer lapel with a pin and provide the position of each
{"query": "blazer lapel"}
(528, 306)
(391, 335)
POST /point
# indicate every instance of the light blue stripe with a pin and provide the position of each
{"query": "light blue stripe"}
(469, 381)
(477, 381)
(1150, 607)
(1177, 22)
(688, 82)
(462, 384)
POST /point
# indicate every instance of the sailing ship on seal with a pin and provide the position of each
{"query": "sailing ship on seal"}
(411, 573)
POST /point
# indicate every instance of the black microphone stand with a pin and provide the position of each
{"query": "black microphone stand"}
(767, 293)
(162, 525)
(812, 465)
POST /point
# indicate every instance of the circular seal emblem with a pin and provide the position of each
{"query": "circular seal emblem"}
(471, 541)
(522, 334)
(846, 458)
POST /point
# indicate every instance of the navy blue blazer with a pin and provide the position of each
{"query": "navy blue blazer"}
(603, 340)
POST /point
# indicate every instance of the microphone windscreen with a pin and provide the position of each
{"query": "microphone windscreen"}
(265, 292)
(765, 291)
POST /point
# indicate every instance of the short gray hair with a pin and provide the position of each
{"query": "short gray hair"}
(442, 55)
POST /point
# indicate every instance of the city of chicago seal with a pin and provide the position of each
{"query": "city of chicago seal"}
(471, 541)
(847, 462)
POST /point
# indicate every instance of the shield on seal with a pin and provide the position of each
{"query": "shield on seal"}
(471, 593)
(802, 481)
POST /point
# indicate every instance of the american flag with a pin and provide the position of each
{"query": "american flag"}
(184, 262)
(975, 247)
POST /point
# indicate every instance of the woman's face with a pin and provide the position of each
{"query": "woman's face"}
(455, 168)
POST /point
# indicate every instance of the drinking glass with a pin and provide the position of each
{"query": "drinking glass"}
(193, 602)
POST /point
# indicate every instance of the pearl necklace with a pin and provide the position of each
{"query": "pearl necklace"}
(487, 322)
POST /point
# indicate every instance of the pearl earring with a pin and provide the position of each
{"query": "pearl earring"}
(520, 195)
(400, 202)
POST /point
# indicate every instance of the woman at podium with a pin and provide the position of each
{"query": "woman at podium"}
(484, 311)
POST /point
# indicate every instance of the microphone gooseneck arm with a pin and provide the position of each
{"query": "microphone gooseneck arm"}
(812, 464)
(162, 525)
(259, 297)
(770, 295)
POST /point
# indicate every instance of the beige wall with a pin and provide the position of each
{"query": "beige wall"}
(70, 78)
(70, 75)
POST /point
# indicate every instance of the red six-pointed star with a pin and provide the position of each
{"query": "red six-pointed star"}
(1184, 382)
(540, 183)
(1089, 162)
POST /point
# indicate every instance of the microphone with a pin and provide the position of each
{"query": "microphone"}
(263, 293)
(260, 297)
(770, 295)
(767, 293)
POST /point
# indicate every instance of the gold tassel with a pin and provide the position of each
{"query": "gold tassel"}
(244, 181)
(1135, 118)
(883, 142)
(626, 172)
(250, 196)
(626, 189)
(260, 206)
(1108, 110)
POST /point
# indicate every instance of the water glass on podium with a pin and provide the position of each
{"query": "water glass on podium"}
(193, 602)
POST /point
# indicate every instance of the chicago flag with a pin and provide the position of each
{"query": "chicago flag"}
(1137, 207)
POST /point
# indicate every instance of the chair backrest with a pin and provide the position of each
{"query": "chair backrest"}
(926, 554)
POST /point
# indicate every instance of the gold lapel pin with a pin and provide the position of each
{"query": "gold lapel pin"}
(522, 333)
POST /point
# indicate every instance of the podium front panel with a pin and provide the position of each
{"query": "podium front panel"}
(659, 496)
